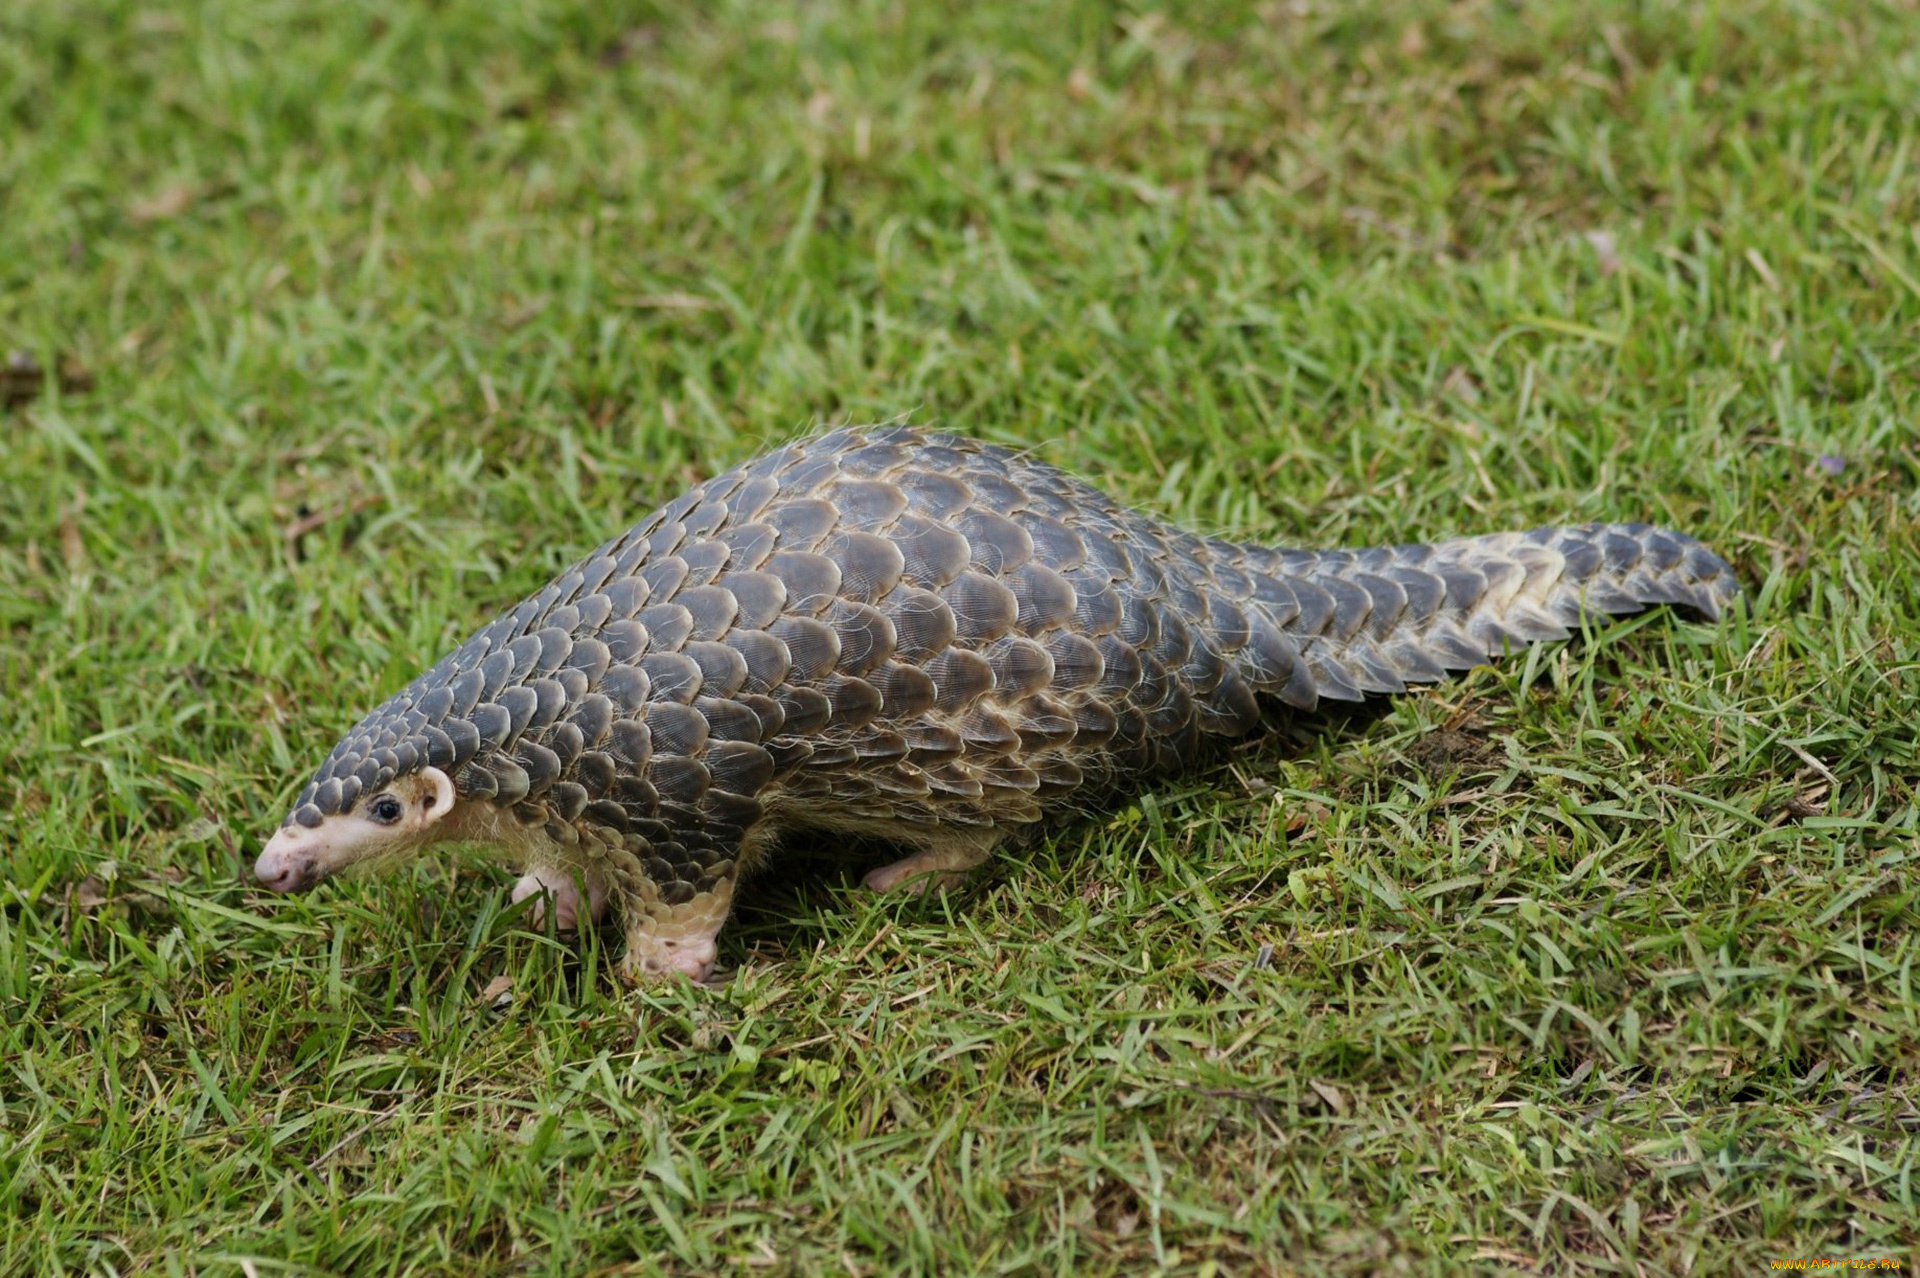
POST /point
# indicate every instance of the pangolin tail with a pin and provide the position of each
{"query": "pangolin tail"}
(1374, 621)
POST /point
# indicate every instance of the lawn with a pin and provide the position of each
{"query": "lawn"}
(336, 328)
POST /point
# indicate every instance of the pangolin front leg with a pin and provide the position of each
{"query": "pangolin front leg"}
(669, 931)
(675, 895)
(561, 886)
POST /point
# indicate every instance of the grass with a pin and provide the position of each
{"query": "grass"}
(355, 321)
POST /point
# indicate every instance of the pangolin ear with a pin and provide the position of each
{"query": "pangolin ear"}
(437, 798)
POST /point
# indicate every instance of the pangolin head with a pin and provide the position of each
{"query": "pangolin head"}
(379, 793)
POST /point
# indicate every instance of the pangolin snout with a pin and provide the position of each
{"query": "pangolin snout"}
(285, 865)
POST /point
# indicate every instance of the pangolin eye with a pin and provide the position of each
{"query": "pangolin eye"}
(386, 809)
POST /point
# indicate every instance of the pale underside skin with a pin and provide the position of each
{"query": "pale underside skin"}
(661, 940)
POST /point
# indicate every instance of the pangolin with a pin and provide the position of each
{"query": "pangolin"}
(908, 635)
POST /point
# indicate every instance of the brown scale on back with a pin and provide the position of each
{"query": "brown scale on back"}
(911, 635)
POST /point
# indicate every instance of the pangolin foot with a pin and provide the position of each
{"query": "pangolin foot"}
(560, 887)
(941, 868)
(653, 959)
